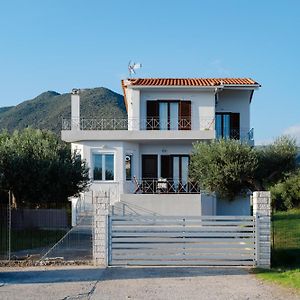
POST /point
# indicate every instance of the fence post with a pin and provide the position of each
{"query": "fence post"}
(9, 224)
(100, 231)
(262, 213)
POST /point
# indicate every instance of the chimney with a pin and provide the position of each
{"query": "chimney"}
(75, 109)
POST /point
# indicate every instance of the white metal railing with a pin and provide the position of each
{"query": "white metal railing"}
(236, 133)
(163, 186)
(153, 123)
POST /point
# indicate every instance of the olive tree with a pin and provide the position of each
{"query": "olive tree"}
(38, 168)
(229, 167)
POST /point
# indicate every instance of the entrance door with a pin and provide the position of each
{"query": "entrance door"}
(149, 173)
(149, 166)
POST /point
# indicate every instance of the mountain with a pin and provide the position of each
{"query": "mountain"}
(46, 110)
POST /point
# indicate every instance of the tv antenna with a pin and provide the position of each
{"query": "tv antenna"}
(132, 66)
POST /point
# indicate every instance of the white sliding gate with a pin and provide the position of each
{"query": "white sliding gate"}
(164, 240)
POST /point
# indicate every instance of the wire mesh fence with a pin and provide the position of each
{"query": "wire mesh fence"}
(38, 234)
(286, 239)
(4, 231)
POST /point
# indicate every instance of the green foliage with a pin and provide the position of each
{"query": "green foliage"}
(275, 160)
(287, 278)
(39, 168)
(286, 193)
(229, 167)
(223, 166)
(46, 110)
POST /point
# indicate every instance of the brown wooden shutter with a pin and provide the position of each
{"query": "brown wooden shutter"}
(152, 115)
(185, 121)
(165, 166)
(235, 126)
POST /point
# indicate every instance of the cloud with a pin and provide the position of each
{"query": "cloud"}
(219, 68)
(293, 131)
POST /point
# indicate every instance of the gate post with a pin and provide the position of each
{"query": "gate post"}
(100, 230)
(262, 213)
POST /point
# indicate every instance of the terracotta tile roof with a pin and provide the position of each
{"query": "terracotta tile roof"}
(185, 82)
(189, 81)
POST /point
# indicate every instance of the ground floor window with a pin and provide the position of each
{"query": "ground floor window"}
(103, 166)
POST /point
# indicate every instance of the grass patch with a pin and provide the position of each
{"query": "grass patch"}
(285, 250)
(286, 239)
(287, 278)
(34, 238)
(29, 239)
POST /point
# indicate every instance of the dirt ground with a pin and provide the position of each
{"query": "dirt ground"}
(85, 282)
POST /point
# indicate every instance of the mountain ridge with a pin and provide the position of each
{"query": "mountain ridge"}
(46, 110)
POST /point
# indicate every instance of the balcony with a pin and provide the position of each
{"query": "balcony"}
(154, 123)
(241, 134)
(74, 129)
(140, 130)
(162, 186)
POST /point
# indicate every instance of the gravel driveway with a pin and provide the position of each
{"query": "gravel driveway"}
(136, 283)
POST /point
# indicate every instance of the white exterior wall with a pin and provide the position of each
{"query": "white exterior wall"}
(236, 101)
(202, 103)
(240, 206)
(159, 204)
(114, 188)
(133, 108)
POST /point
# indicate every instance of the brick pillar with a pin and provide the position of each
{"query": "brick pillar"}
(100, 230)
(262, 213)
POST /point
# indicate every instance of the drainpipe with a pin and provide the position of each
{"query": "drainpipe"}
(75, 109)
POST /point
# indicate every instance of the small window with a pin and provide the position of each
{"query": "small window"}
(128, 166)
(103, 166)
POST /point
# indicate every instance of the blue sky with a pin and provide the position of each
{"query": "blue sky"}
(61, 44)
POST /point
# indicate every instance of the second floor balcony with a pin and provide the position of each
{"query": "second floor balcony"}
(131, 129)
(153, 123)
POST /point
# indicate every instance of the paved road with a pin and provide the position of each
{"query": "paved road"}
(136, 283)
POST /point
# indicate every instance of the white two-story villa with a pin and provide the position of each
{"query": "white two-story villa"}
(142, 161)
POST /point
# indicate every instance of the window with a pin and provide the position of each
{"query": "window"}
(228, 125)
(169, 115)
(103, 166)
(128, 166)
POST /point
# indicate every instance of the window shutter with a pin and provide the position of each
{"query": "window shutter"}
(165, 171)
(185, 120)
(235, 126)
(152, 115)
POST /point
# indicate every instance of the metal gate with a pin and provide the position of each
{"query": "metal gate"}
(165, 240)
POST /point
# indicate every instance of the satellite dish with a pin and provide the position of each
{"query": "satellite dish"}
(132, 66)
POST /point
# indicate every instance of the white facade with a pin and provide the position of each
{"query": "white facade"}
(139, 142)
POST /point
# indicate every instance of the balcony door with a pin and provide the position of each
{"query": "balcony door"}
(175, 169)
(168, 115)
(228, 125)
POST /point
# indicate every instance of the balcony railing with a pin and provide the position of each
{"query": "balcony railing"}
(185, 123)
(236, 134)
(205, 123)
(163, 186)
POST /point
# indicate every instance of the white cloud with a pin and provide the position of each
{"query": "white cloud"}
(293, 131)
(218, 67)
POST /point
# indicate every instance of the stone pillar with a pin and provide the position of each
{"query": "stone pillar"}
(262, 213)
(100, 230)
(74, 201)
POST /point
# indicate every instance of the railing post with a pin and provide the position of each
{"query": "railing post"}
(262, 214)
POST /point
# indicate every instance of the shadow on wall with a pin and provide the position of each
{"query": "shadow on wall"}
(93, 274)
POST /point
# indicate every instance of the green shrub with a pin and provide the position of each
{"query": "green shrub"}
(286, 193)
